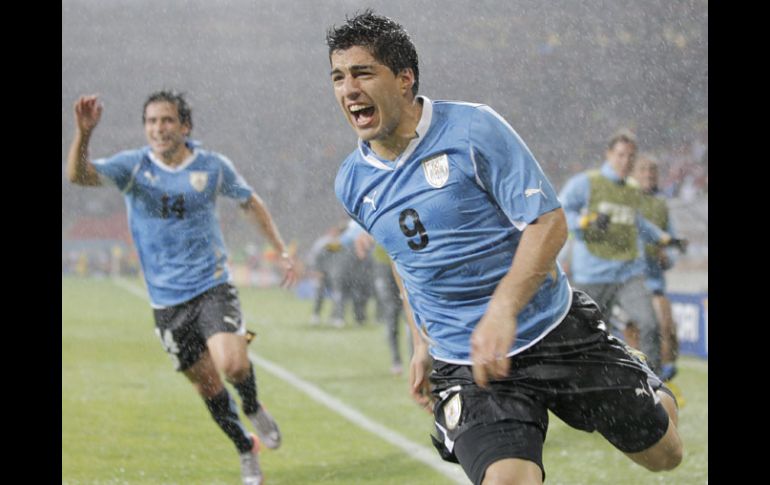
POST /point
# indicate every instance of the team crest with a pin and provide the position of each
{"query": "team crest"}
(436, 170)
(452, 411)
(199, 180)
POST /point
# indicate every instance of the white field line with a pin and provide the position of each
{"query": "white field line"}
(414, 450)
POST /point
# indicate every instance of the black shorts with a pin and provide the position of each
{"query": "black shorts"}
(183, 329)
(588, 378)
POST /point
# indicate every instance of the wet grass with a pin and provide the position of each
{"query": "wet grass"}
(127, 417)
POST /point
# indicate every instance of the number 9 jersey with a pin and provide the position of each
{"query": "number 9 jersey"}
(450, 211)
(173, 220)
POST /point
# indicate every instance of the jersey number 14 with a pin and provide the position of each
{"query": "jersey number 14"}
(177, 207)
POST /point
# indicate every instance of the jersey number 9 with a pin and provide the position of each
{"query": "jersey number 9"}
(417, 229)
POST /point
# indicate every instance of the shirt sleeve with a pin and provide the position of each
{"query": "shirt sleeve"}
(231, 183)
(120, 169)
(507, 170)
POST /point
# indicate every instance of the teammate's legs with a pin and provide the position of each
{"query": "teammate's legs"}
(221, 323)
(229, 354)
(184, 331)
(636, 300)
(205, 378)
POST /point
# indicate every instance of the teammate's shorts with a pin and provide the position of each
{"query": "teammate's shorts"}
(588, 378)
(183, 329)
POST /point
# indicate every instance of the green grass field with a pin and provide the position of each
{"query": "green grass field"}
(127, 417)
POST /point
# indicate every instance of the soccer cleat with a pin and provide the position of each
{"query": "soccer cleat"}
(251, 473)
(266, 427)
(396, 369)
(315, 319)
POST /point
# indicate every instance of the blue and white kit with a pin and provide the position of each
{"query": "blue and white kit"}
(173, 220)
(450, 212)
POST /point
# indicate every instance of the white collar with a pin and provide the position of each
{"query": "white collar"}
(187, 161)
(421, 130)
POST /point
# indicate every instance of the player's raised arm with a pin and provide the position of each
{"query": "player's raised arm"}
(88, 112)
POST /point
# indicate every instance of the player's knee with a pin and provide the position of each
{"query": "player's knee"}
(512, 471)
(207, 389)
(665, 456)
(235, 371)
(666, 462)
(674, 458)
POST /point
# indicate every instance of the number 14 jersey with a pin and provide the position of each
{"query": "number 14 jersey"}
(173, 220)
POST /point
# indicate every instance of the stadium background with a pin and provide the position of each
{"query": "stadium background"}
(566, 75)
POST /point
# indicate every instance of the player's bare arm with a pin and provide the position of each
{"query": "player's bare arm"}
(88, 112)
(535, 258)
(421, 363)
(257, 212)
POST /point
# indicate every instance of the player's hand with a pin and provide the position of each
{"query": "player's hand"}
(289, 271)
(88, 112)
(419, 370)
(490, 342)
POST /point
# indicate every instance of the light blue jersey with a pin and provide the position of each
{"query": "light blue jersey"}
(450, 211)
(173, 221)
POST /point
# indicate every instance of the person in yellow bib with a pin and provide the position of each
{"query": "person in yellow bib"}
(603, 215)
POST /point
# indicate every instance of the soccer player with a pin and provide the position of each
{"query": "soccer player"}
(473, 227)
(170, 189)
(603, 213)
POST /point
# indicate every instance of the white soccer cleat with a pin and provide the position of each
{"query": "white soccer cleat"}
(251, 473)
(266, 427)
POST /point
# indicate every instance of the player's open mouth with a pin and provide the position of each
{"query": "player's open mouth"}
(362, 114)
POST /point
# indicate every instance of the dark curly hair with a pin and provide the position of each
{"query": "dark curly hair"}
(175, 98)
(385, 39)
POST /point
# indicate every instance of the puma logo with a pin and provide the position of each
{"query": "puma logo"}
(370, 200)
(531, 192)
